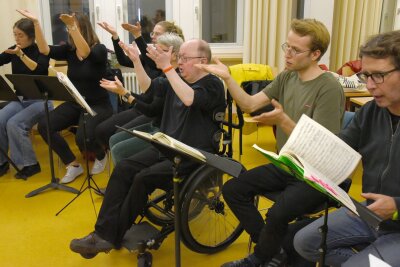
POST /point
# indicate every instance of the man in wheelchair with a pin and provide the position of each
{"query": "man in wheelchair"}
(190, 98)
(303, 88)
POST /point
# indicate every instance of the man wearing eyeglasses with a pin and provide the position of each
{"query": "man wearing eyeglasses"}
(189, 99)
(303, 88)
(374, 132)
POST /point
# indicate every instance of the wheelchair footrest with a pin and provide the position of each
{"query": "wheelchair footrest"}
(142, 232)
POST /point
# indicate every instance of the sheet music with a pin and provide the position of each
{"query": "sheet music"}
(326, 152)
(74, 92)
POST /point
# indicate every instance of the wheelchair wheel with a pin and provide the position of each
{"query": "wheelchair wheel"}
(160, 210)
(208, 224)
(160, 207)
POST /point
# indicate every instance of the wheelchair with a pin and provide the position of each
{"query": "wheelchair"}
(207, 225)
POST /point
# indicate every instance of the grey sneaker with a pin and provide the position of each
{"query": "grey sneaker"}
(72, 173)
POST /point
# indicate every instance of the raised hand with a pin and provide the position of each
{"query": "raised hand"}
(130, 51)
(135, 30)
(110, 29)
(113, 86)
(160, 57)
(28, 14)
(15, 51)
(218, 69)
(68, 20)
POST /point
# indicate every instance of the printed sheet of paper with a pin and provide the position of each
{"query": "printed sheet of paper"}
(326, 152)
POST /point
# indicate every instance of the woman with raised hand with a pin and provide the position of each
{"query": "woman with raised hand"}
(87, 63)
(132, 117)
(18, 117)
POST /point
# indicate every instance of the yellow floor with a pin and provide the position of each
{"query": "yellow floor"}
(32, 235)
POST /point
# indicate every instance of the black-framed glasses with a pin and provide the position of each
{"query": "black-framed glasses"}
(186, 59)
(377, 77)
(292, 51)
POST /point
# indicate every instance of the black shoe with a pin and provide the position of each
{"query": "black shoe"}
(28, 171)
(90, 245)
(4, 168)
(245, 262)
(279, 260)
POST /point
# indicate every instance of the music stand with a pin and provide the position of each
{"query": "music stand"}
(7, 94)
(45, 88)
(176, 156)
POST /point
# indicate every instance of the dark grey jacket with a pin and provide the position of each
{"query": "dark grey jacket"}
(371, 134)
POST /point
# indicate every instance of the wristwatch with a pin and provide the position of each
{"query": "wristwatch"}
(126, 96)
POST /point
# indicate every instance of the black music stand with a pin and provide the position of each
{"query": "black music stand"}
(176, 156)
(368, 216)
(7, 94)
(46, 88)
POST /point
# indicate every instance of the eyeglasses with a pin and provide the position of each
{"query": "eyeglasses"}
(186, 59)
(153, 34)
(377, 77)
(292, 51)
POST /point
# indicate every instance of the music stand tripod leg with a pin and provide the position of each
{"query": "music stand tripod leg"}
(89, 177)
(177, 220)
(54, 183)
(323, 229)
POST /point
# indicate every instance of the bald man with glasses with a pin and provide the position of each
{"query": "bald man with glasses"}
(374, 133)
(303, 88)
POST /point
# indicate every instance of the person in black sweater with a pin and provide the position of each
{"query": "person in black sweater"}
(87, 63)
(132, 117)
(18, 117)
(190, 99)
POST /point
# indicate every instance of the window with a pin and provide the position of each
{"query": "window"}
(218, 22)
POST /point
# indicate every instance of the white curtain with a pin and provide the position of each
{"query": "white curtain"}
(353, 22)
(266, 23)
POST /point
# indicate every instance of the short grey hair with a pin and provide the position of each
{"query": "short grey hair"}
(170, 39)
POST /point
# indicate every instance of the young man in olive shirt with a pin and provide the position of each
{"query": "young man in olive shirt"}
(303, 88)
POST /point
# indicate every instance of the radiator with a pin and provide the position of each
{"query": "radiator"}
(130, 82)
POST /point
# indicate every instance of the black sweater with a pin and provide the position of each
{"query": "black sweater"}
(85, 74)
(19, 67)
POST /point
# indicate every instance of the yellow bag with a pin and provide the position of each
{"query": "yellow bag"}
(250, 72)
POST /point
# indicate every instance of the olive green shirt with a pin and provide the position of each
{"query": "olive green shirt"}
(322, 99)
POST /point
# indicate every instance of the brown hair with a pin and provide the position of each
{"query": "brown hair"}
(26, 25)
(169, 26)
(86, 30)
(385, 45)
(316, 30)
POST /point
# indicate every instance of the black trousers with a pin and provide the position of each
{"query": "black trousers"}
(68, 114)
(132, 180)
(128, 119)
(296, 198)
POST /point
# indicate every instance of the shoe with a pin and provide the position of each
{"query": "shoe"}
(90, 245)
(279, 260)
(28, 171)
(99, 165)
(4, 168)
(245, 262)
(72, 173)
(101, 191)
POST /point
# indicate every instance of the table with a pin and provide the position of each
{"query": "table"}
(359, 102)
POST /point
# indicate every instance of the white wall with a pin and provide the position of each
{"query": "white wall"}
(322, 11)
(7, 19)
(397, 19)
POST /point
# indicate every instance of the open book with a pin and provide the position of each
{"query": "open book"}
(314, 154)
(74, 92)
(171, 142)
